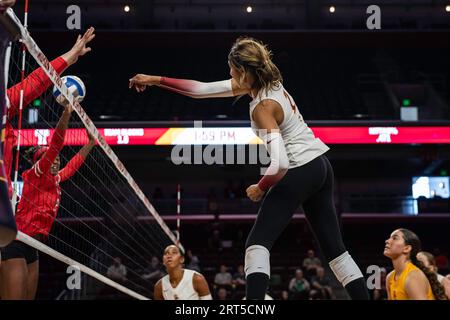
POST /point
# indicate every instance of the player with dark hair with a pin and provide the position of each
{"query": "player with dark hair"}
(180, 283)
(37, 210)
(410, 279)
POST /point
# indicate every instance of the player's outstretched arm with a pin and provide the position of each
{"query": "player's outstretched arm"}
(80, 47)
(191, 88)
(56, 144)
(77, 161)
(38, 82)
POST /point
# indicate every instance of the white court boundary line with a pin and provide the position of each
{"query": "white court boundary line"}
(55, 78)
(58, 256)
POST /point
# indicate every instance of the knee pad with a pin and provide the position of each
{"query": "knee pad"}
(257, 259)
(345, 269)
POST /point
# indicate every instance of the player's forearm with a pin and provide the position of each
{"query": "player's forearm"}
(70, 57)
(33, 86)
(195, 89)
(60, 130)
(63, 122)
(57, 141)
(56, 144)
(72, 167)
(86, 149)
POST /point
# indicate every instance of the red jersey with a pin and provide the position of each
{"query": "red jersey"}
(41, 195)
(33, 86)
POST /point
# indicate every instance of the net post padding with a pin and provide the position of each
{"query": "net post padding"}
(42, 60)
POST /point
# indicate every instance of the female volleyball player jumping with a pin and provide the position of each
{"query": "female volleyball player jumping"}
(180, 283)
(37, 210)
(410, 279)
(299, 173)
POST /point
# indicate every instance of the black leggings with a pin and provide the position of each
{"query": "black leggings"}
(310, 185)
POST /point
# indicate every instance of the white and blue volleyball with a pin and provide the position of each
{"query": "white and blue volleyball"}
(76, 88)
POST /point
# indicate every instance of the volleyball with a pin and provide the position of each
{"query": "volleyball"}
(76, 88)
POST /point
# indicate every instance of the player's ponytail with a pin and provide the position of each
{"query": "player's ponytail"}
(252, 56)
(413, 240)
(29, 154)
(33, 154)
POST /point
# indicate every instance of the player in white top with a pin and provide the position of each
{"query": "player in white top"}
(429, 262)
(299, 172)
(180, 283)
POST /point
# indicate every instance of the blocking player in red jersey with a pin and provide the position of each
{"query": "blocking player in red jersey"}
(37, 210)
(35, 85)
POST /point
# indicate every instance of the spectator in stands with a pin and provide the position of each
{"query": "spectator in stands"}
(117, 271)
(320, 286)
(154, 271)
(215, 242)
(222, 294)
(229, 191)
(311, 263)
(223, 278)
(381, 293)
(284, 295)
(241, 190)
(239, 240)
(239, 277)
(192, 261)
(213, 204)
(299, 287)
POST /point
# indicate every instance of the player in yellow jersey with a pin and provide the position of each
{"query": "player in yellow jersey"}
(410, 279)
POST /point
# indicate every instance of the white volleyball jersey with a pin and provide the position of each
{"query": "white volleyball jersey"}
(183, 291)
(301, 144)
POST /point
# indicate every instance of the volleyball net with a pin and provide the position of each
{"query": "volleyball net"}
(103, 215)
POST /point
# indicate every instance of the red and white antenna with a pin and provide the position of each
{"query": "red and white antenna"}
(178, 212)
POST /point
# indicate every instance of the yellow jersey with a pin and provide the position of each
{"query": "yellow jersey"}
(396, 284)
